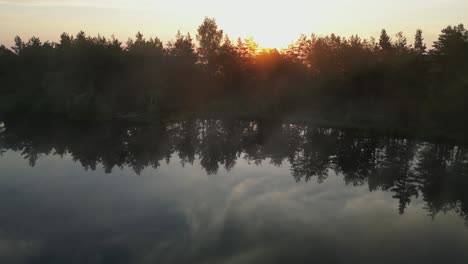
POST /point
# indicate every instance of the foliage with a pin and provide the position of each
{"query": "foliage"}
(84, 77)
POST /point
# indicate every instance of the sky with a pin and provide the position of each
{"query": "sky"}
(273, 24)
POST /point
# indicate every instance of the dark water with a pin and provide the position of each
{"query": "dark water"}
(210, 191)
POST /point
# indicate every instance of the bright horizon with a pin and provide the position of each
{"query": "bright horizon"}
(272, 25)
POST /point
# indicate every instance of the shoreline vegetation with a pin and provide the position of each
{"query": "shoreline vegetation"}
(391, 83)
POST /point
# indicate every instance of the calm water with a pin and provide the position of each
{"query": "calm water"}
(210, 191)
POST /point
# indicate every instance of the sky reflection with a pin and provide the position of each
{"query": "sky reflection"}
(57, 211)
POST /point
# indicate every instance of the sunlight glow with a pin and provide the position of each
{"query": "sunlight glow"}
(273, 24)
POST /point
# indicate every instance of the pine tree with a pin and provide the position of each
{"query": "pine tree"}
(385, 41)
(419, 45)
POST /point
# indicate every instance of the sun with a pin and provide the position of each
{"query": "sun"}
(270, 40)
(268, 31)
(272, 24)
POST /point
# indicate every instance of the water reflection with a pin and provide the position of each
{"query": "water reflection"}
(267, 209)
(404, 167)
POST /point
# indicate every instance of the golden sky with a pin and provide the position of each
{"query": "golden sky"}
(271, 23)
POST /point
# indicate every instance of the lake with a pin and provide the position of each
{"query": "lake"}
(228, 191)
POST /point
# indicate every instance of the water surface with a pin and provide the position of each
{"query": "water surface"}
(228, 191)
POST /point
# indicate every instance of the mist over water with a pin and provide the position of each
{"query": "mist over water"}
(228, 191)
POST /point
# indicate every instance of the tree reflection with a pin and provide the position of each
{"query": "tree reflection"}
(405, 167)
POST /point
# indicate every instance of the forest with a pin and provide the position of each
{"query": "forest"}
(391, 81)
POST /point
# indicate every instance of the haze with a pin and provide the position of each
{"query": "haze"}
(273, 24)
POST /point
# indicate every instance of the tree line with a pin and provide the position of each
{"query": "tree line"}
(95, 78)
(405, 167)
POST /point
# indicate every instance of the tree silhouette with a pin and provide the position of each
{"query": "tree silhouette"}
(419, 45)
(209, 38)
(384, 83)
(385, 42)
